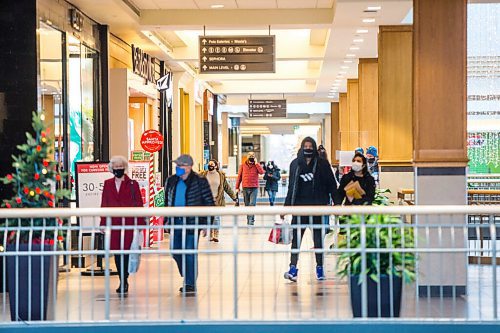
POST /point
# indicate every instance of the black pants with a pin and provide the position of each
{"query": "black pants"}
(122, 270)
(318, 234)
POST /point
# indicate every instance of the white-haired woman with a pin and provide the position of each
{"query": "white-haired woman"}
(121, 191)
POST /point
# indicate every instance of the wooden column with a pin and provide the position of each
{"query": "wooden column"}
(343, 121)
(353, 106)
(440, 139)
(395, 95)
(225, 138)
(335, 131)
(368, 102)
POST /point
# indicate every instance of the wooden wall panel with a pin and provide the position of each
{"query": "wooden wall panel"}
(440, 76)
(395, 95)
(368, 102)
(343, 121)
(335, 131)
(353, 107)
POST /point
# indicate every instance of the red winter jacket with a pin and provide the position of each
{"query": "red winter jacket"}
(128, 196)
(248, 174)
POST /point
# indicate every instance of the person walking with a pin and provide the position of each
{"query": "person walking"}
(311, 183)
(248, 177)
(218, 185)
(272, 177)
(184, 189)
(357, 187)
(121, 191)
(372, 163)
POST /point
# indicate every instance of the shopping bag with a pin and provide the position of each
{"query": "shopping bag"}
(134, 259)
(282, 233)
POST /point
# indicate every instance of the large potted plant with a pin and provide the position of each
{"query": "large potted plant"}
(381, 272)
(31, 277)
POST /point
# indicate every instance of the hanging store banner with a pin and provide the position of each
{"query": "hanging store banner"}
(237, 54)
(90, 177)
(267, 108)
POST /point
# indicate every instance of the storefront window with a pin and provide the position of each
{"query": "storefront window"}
(83, 97)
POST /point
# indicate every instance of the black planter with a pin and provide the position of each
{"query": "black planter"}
(36, 289)
(373, 301)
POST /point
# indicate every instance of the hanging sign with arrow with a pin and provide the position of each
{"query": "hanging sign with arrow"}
(237, 54)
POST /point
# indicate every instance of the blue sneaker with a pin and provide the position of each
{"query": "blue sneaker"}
(292, 274)
(320, 274)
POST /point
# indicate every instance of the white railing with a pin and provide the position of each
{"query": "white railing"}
(241, 277)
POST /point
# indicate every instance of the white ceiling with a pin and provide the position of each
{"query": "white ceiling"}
(313, 37)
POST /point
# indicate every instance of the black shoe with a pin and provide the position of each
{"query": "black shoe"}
(189, 290)
(125, 288)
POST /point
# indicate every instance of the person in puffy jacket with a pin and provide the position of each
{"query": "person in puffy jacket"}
(248, 177)
(272, 177)
(121, 191)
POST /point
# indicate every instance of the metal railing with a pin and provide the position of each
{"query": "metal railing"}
(241, 277)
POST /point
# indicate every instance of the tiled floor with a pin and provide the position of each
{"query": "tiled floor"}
(262, 293)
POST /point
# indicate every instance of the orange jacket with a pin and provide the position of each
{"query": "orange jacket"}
(248, 174)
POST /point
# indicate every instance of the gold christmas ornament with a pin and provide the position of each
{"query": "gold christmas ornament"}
(44, 171)
(32, 193)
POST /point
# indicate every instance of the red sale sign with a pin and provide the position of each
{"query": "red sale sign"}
(151, 141)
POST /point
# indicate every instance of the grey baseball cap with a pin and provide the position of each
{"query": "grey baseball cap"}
(184, 160)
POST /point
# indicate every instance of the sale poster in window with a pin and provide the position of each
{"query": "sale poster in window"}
(90, 177)
(139, 171)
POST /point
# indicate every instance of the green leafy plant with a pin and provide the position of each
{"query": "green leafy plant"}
(34, 184)
(381, 198)
(382, 232)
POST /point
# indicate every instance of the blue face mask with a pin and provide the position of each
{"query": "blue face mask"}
(179, 171)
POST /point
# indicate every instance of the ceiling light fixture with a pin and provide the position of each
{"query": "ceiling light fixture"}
(337, 81)
(350, 55)
(347, 61)
(354, 48)
(373, 8)
(343, 72)
(358, 40)
(217, 6)
(362, 31)
(368, 20)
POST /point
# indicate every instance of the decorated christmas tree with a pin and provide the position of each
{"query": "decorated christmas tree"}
(34, 184)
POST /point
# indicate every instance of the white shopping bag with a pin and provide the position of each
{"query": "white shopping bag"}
(134, 259)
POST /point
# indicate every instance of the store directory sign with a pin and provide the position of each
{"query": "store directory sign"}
(237, 54)
(274, 108)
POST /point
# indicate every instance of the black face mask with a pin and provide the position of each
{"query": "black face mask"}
(371, 160)
(118, 173)
(251, 160)
(308, 152)
(211, 168)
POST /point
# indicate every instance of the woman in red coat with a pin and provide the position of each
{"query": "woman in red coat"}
(121, 191)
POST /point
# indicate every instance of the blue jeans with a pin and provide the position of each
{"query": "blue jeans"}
(250, 198)
(272, 197)
(186, 263)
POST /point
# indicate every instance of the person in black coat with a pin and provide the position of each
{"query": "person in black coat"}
(311, 183)
(357, 187)
(272, 177)
(186, 188)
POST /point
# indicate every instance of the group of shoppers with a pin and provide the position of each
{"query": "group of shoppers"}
(312, 182)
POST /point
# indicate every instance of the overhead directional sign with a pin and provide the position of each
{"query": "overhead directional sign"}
(259, 108)
(237, 54)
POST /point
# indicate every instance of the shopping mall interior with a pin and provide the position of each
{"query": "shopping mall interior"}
(413, 84)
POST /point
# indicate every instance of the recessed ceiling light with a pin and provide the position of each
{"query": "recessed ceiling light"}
(347, 61)
(372, 8)
(343, 72)
(358, 40)
(216, 6)
(368, 20)
(350, 55)
(344, 67)
(362, 31)
(354, 48)
(337, 81)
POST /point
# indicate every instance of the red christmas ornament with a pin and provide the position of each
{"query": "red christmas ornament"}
(45, 163)
(9, 177)
(43, 134)
(60, 238)
(8, 205)
(26, 190)
(58, 177)
(51, 204)
(37, 176)
(18, 200)
(38, 148)
(38, 191)
(46, 193)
